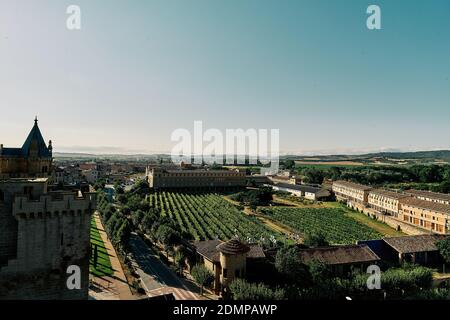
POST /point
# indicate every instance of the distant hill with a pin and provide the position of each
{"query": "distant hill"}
(438, 155)
(420, 156)
(88, 156)
(416, 156)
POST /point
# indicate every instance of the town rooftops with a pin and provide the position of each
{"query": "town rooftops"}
(389, 194)
(352, 185)
(427, 205)
(412, 244)
(429, 194)
(338, 255)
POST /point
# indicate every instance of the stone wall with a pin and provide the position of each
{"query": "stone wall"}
(52, 234)
(8, 235)
(44, 284)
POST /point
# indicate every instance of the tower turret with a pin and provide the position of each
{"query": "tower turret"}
(50, 147)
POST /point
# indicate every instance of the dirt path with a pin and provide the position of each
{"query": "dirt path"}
(113, 287)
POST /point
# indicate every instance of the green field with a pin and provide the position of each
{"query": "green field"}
(209, 216)
(103, 267)
(333, 223)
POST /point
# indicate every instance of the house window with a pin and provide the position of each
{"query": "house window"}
(225, 273)
(62, 239)
(2, 196)
(44, 169)
(237, 273)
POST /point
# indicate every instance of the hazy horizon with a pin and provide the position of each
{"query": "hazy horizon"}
(137, 71)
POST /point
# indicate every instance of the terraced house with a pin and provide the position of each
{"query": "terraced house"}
(424, 214)
(386, 201)
(429, 196)
(424, 210)
(355, 195)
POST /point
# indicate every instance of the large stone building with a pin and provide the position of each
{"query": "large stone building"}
(159, 178)
(42, 232)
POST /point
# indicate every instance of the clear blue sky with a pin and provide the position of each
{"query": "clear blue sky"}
(137, 70)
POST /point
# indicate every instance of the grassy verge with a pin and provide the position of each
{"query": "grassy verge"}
(103, 267)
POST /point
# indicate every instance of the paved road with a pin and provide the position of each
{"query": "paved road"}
(156, 277)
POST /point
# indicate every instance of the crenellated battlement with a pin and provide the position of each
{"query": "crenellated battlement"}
(53, 205)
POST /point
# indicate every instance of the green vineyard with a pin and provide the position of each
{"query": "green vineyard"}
(209, 216)
(331, 222)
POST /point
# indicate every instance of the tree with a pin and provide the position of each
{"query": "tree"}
(242, 290)
(314, 240)
(179, 260)
(119, 190)
(288, 263)
(122, 235)
(319, 271)
(201, 275)
(137, 217)
(444, 249)
(167, 236)
(444, 187)
(289, 164)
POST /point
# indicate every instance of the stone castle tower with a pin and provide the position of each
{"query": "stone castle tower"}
(42, 232)
(33, 159)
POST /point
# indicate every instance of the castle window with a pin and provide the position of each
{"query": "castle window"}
(28, 191)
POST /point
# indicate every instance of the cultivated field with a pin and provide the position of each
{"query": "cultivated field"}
(332, 222)
(328, 163)
(209, 216)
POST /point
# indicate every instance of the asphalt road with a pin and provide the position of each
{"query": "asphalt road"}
(156, 277)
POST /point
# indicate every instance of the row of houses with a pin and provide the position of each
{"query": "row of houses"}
(235, 259)
(425, 210)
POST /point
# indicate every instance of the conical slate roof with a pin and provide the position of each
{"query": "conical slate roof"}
(233, 246)
(36, 135)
